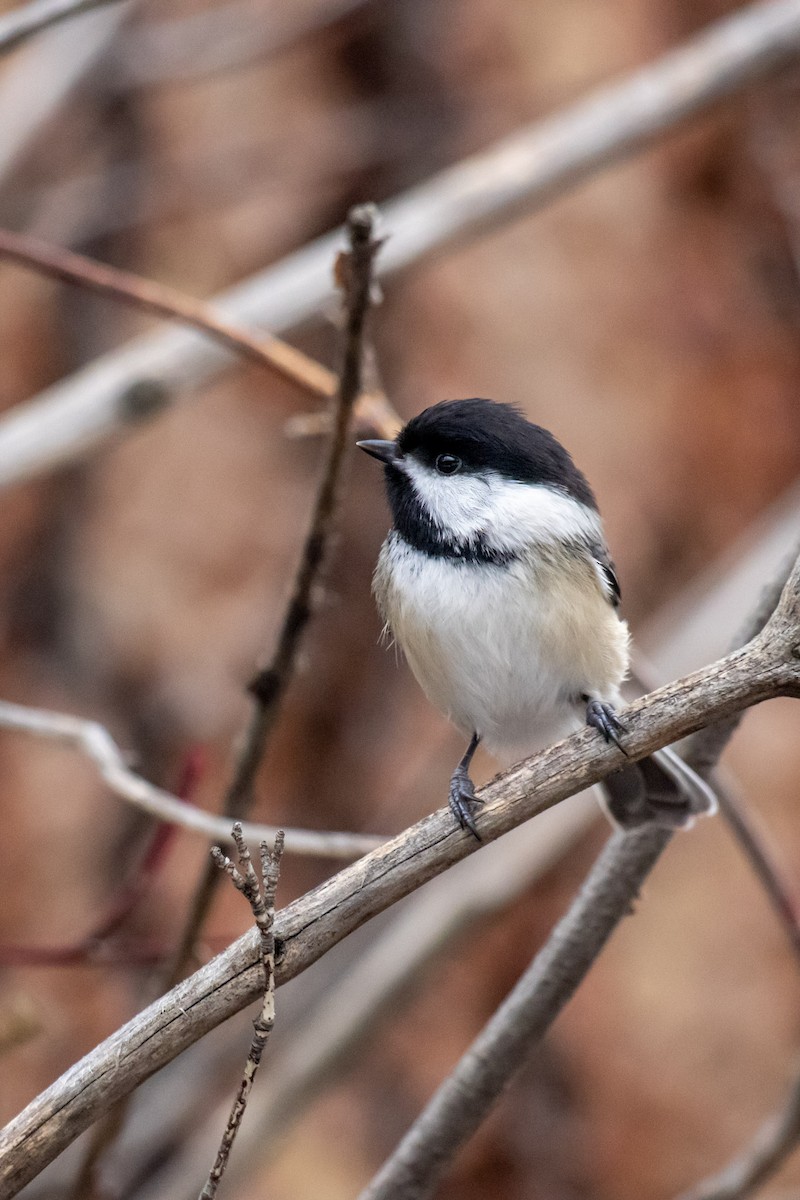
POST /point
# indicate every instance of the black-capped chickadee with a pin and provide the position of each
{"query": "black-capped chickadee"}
(496, 582)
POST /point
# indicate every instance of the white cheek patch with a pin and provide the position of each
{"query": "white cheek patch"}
(505, 514)
(458, 504)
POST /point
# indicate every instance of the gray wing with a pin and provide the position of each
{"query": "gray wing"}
(607, 573)
(661, 788)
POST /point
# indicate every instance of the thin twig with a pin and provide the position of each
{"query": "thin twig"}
(756, 849)
(262, 349)
(93, 739)
(749, 838)
(706, 748)
(768, 666)
(262, 903)
(20, 23)
(466, 1096)
(514, 176)
(269, 686)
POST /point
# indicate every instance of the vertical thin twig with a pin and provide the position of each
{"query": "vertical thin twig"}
(262, 902)
(268, 687)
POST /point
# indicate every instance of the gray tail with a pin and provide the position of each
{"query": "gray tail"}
(662, 789)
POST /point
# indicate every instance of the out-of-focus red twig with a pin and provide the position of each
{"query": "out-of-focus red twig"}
(92, 948)
(373, 408)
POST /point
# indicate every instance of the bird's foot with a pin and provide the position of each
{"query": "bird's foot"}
(463, 800)
(603, 718)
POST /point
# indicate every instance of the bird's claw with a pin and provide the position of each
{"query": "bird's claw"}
(463, 800)
(603, 718)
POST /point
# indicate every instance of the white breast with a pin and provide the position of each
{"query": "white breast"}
(504, 651)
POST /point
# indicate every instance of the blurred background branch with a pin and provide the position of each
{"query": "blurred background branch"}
(374, 410)
(517, 174)
(28, 19)
(91, 739)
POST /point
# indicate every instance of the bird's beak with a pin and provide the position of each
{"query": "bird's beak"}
(387, 452)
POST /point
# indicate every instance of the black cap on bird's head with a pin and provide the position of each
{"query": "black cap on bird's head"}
(478, 436)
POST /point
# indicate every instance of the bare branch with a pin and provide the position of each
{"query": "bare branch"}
(516, 175)
(36, 83)
(264, 350)
(705, 749)
(20, 23)
(768, 666)
(269, 685)
(362, 992)
(94, 740)
(262, 902)
(186, 48)
(756, 850)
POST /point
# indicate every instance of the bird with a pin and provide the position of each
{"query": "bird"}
(496, 582)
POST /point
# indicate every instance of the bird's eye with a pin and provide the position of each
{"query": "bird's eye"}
(448, 464)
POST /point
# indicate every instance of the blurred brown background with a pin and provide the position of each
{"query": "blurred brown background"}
(651, 319)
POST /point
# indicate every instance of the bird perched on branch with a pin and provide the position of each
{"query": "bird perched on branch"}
(496, 582)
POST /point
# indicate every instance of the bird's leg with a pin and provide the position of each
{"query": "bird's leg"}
(602, 717)
(462, 791)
